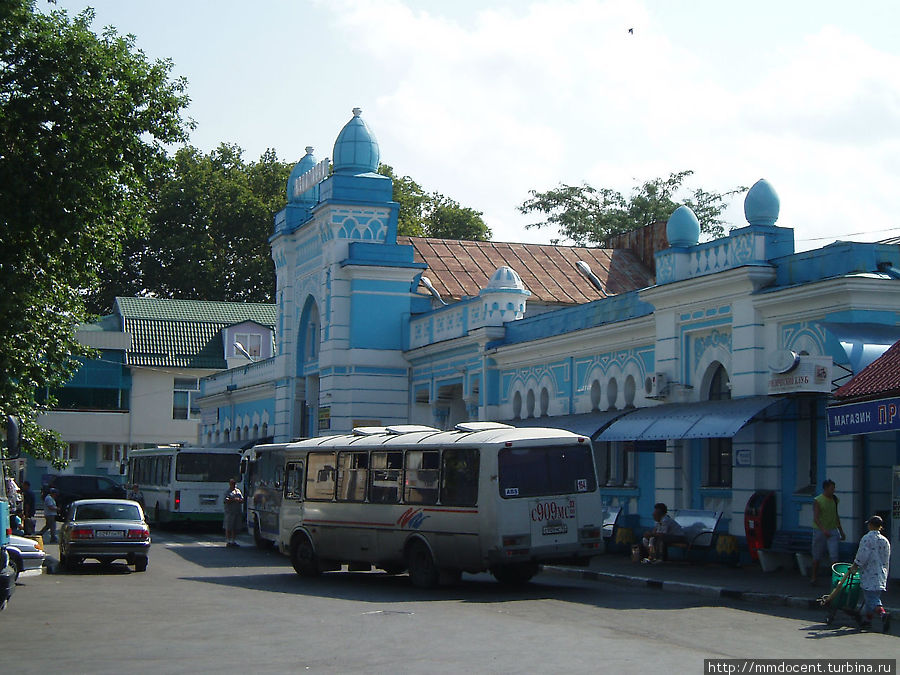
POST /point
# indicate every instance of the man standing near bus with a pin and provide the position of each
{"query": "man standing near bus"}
(828, 532)
(233, 512)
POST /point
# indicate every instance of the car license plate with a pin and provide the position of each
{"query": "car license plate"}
(109, 534)
(555, 529)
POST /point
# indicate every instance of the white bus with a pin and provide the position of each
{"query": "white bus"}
(183, 483)
(262, 467)
(485, 496)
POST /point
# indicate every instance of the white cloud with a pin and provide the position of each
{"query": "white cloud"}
(515, 99)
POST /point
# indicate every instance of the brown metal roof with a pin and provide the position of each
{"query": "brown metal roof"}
(463, 268)
(879, 378)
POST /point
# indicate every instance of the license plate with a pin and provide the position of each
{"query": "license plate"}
(109, 534)
(208, 499)
(555, 529)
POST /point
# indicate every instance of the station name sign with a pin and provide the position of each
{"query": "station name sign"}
(312, 177)
(804, 374)
(865, 417)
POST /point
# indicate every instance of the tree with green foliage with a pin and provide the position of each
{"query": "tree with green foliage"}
(590, 216)
(210, 220)
(424, 214)
(84, 120)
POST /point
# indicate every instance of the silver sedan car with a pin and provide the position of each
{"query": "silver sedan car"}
(25, 554)
(106, 530)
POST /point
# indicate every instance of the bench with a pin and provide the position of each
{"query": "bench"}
(699, 528)
(610, 518)
(787, 545)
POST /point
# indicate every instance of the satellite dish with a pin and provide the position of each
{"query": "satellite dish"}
(783, 361)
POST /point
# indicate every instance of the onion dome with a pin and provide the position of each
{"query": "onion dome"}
(683, 228)
(761, 205)
(356, 150)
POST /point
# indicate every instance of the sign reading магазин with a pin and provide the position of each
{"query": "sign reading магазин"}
(865, 417)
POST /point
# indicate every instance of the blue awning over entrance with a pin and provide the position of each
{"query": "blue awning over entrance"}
(701, 419)
(584, 424)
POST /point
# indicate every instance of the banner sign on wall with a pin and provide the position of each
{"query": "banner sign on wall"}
(865, 417)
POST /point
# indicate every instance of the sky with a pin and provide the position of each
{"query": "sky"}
(484, 101)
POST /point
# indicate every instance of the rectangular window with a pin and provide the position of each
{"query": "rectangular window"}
(204, 467)
(387, 469)
(459, 477)
(108, 452)
(293, 483)
(72, 452)
(320, 476)
(421, 484)
(184, 398)
(539, 472)
(252, 342)
(719, 462)
(352, 474)
(807, 445)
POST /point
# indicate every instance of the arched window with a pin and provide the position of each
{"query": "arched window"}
(517, 405)
(545, 402)
(595, 395)
(530, 402)
(612, 393)
(719, 452)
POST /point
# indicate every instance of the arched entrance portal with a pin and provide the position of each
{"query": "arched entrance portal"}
(306, 392)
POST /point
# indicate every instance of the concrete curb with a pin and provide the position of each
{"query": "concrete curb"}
(704, 590)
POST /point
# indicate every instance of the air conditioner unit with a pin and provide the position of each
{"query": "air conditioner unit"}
(656, 385)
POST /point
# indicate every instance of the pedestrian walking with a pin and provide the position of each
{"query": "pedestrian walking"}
(234, 498)
(50, 511)
(136, 495)
(13, 495)
(828, 531)
(872, 559)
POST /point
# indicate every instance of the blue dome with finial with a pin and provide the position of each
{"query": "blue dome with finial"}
(761, 205)
(356, 150)
(306, 163)
(683, 228)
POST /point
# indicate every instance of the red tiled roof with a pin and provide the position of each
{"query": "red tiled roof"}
(880, 377)
(462, 268)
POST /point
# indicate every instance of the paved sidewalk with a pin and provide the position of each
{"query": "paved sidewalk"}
(748, 583)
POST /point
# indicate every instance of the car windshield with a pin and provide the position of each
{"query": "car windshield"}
(107, 512)
(207, 467)
(538, 472)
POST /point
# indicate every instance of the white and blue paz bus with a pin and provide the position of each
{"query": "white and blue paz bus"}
(484, 496)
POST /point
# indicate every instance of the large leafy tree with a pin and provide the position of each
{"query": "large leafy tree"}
(209, 223)
(424, 214)
(83, 124)
(590, 216)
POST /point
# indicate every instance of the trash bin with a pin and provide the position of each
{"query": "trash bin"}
(759, 521)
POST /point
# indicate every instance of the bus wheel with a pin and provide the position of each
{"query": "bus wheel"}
(422, 571)
(258, 539)
(303, 557)
(514, 575)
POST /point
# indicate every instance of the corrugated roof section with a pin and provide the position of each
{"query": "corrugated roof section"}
(879, 378)
(184, 333)
(463, 268)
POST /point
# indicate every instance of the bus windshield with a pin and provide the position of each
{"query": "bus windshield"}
(539, 472)
(204, 467)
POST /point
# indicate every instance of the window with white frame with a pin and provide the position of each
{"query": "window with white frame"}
(184, 399)
(111, 453)
(252, 342)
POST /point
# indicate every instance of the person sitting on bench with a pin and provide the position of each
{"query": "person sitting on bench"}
(666, 531)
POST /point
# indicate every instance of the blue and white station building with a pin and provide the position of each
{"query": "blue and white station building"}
(701, 370)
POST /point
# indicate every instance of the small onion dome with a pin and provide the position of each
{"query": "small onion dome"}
(505, 280)
(356, 150)
(683, 228)
(306, 163)
(761, 205)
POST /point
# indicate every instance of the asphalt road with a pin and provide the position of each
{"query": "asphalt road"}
(202, 608)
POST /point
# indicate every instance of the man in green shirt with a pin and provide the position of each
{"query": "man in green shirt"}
(827, 532)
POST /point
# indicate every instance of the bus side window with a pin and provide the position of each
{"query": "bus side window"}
(387, 469)
(320, 476)
(293, 481)
(421, 485)
(352, 475)
(459, 477)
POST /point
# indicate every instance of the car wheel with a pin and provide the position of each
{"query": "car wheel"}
(303, 557)
(140, 563)
(16, 564)
(422, 570)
